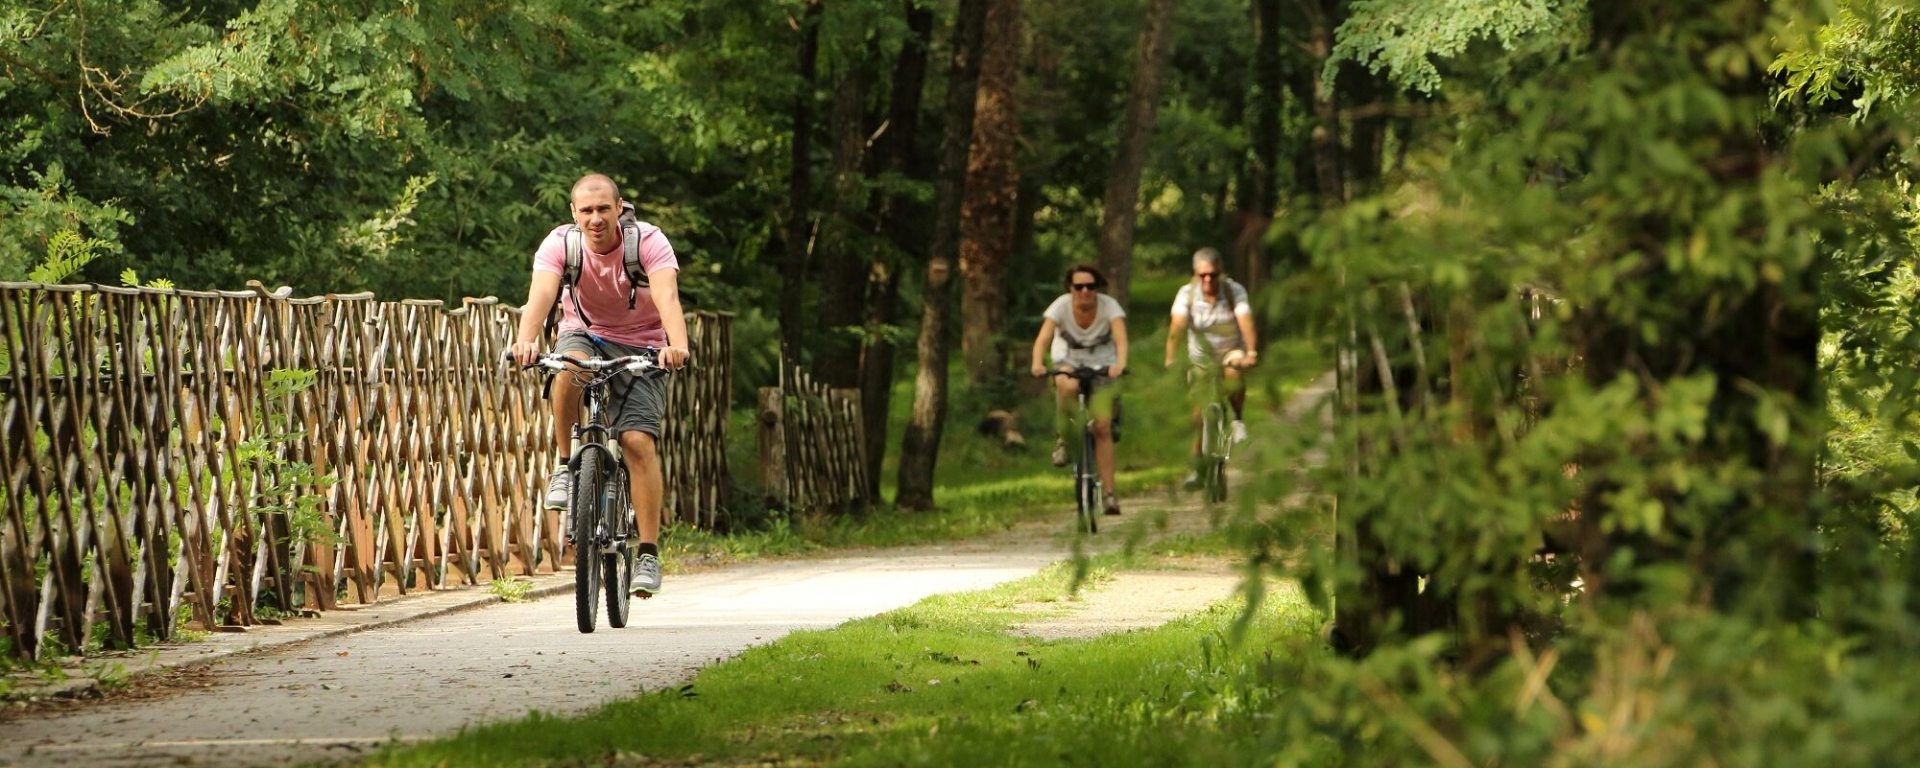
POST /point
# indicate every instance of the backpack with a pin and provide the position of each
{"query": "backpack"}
(629, 243)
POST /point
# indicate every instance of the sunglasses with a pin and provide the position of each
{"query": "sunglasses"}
(1205, 275)
(1086, 286)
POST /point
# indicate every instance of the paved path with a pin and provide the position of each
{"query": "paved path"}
(332, 698)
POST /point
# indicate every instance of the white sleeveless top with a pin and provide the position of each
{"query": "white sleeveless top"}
(1090, 346)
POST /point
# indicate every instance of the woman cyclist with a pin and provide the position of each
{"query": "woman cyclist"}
(1213, 315)
(1084, 328)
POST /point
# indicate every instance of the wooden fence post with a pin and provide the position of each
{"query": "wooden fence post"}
(773, 447)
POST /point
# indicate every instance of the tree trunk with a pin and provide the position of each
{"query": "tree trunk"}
(1365, 154)
(793, 267)
(1122, 202)
(876, 366)
(899, 219)
(993, 181)
(1270, 83)
(1325, 137)
(920, 446)
(845, 261)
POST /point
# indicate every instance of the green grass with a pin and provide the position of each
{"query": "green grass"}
(937, 683)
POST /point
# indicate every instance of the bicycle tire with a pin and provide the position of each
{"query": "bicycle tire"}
(617, 566)
(1213, 451)
(616, 570)
(1088, 471)
(1210, 417)
(588, 494)
(1216, 480)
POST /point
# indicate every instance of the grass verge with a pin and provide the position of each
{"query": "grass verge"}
(940, 682)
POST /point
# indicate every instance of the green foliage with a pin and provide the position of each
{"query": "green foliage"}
(1643, 311)
(1636, 395)
(376, 237)
(131, 279)
(41, 212)
(1404, 38)
(510, 590)
(292, 491)
(67, 254)
(422, 152)
(1867, 54)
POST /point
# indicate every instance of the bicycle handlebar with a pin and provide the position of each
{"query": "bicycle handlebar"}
(1081, 373)
(632, 363)
(635, 364)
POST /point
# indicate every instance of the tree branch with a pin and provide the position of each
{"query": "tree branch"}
(44, 76)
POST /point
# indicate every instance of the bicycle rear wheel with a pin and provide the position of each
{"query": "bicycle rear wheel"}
(616, 568)
(589, 484)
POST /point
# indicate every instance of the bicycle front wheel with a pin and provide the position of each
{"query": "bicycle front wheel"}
(1087, 482)
(589, 484)
(1214, 445)
(1216, 479)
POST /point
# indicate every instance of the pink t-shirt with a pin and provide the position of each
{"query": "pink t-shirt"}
(603, 287)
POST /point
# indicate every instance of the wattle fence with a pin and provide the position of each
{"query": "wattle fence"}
(164, 455)
(812, 454)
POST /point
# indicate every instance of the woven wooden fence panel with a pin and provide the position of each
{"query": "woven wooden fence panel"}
(149, 465)
(812, 444)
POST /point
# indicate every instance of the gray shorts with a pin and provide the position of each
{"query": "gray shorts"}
(637, 400)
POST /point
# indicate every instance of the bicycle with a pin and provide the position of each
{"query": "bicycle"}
(1086, 470)
(1216, 439)
(600, 512)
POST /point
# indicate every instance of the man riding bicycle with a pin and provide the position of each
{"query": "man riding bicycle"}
(1213, 314)
(1084, 328)
(606, 315)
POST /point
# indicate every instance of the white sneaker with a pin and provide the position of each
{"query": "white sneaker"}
(646, 575)
(1239, 431)
(559, 489)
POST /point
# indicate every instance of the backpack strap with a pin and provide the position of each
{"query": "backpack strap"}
(570, 273)
(630, 259)
(1194, 337)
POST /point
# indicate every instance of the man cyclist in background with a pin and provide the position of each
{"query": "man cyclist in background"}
(611, 327)
(1213, 315)
(1084, 328)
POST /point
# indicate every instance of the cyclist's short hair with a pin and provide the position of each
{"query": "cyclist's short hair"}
(595, 180)
(1099, 280)
(1211, 257)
